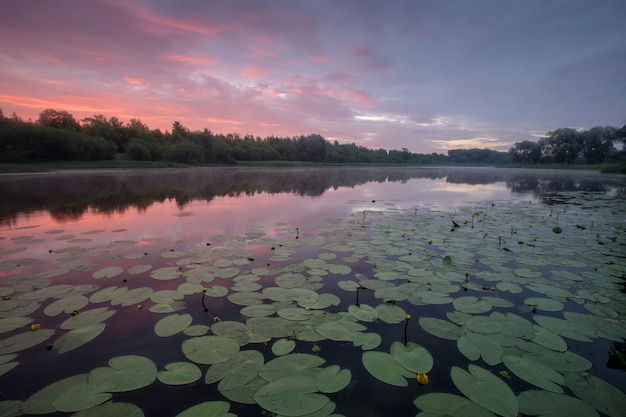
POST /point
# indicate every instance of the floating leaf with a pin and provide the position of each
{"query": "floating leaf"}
(550, 404)
(283, 346)
(437, 404)
(474, 345)
(546, 338)
(441, 328)
(600, 394)
(23, 341)
(290, 365)
(41, 401)
(208, 409)
(291, 396)
(571, 330)
(209, 349)
(108, 272)
(332, 379)
(383, 367)
(172, 324)
(77, 337)
(125, 373)
(363, 312)
(240, 369)
(486, 389)
(83, 396)
(411, 356)
(111, 409)
(179, 373)
(535, 373)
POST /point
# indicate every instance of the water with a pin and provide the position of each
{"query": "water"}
(248, 226)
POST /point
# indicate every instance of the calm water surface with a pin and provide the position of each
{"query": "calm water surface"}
(125, 218)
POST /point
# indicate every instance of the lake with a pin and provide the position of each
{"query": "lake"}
(347, 291)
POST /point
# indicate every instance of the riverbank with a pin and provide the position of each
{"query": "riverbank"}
(130, 164)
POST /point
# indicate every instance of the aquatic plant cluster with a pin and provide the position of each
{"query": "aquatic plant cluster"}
(486, 310)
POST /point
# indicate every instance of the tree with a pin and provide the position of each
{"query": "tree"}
(597, 143)
(58, 119)
(525, 152)
(561, 145)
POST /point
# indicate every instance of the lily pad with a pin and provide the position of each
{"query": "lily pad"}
(172, 324)
(550, 404)
(291, 396)
(208, 409)
(283, 346)
(384, 367)
(535, 373)
(179, 373)
(486, 390)
(441, 328)
(474, 346)
(111, 409)
(411, 356)
(290, 365)
(363, 312)
(209, 349)
(439, 404)
(125, 373)
(75, 338)
(605, 397)
(332, 379)
(23, 341)
(241, 368)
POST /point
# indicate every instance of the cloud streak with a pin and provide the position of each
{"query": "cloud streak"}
(427, 76)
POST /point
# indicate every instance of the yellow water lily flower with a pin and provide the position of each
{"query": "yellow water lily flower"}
(316, 348)
(422, 379)
(408, 317)
(216, 319)
(35, 326)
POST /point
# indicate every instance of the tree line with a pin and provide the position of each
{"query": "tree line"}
(56, 135)
(566, 145)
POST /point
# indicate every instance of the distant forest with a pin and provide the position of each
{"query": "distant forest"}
(58, 136)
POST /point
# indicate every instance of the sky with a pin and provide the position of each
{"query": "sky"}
(426, 75)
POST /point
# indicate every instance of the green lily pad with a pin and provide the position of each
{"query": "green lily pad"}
(535, 373)
(125, 373)
(84, 396)
(411, 356)
(439, 404)
(569, 329)
(208, 409)
(75, 338)
(441, 328)
(484, 324)
(172, 324)
(179, 373)
(383, 366)
(11, 323)
(111, 409)
(291, 396)
(363, 312)
(87, 318)
(474, 346)
(486, 390)
(546, 338)
(41, 401)
(339, 331)
(550, 404)
(544, 304)
(390, 313)
(23, 341)
(605, 397)
(66, 305)
(208, 350)
(241, 368)
(292, 364)
(471, 305)
(283, 346)
(366, 341)
(108, 272)
(332, 379)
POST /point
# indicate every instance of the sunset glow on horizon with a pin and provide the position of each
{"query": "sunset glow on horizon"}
(428, 76)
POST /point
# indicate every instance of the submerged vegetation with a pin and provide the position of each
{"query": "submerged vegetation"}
(58, 136)
(388, 312)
